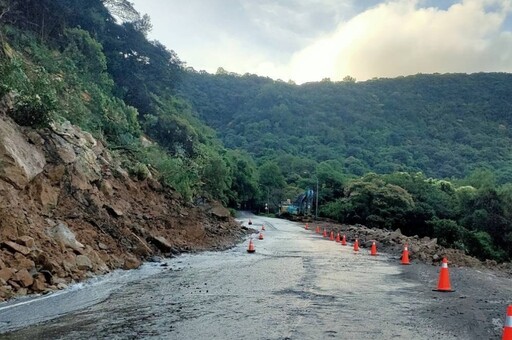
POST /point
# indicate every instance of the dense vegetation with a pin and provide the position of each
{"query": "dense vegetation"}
(373, 147)
(442, 125)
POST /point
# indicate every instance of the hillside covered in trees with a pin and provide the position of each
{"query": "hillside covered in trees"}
(442, 125)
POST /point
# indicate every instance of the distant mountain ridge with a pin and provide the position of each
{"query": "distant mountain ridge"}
(444, 125)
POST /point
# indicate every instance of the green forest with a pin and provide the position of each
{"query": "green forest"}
(429, 154)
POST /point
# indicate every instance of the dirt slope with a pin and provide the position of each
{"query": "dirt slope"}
(68, 211)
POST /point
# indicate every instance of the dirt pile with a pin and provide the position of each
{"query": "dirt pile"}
(69, 211)
(424, 249)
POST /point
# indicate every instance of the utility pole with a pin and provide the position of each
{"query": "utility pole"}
(316, 210)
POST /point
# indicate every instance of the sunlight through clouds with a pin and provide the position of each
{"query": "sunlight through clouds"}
(316, 39)
(398, 38)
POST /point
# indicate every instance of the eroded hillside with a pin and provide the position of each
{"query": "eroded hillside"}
(68, 210)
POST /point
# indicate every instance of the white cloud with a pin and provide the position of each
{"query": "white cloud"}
(315, 39)
(401, 38)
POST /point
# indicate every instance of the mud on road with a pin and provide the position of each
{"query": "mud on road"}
(297, 285)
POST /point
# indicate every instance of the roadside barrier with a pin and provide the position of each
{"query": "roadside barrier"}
(444, 278)
(405, 255)
(344, 240)
(251, 249)
(507, 328)
(373, 251)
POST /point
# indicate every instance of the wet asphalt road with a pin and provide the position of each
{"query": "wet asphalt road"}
(297, 285)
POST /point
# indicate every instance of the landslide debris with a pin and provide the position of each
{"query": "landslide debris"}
(424, 249)
(69, 211)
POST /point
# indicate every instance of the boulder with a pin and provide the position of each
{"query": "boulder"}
(131, 263)
(24, 278)
(16, 247)
(83, 262)
(26, 241)
(6, 274)
(21, 161)
(63, 235)
(39, 284)
(161, 243)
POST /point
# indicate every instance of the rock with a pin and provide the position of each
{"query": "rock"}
(6, 274)
(64, 150)
(21, 161)
(83, 262)
(17, 247)
(131, 263)
(26, 241)
(155, 259)
(161, 243)
(39, 284)
(21, 262)
(436, 257)
(22, 291)
(63, 235)
(106, 188)
(102, 246)
(24, 278)
(61, 285)
(2, 264)
(114, 211)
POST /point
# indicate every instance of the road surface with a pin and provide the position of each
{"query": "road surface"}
(297, 285)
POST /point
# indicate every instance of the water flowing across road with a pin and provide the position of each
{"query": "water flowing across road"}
(297, 285)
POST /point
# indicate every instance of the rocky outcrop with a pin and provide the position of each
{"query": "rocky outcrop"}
(68, 210)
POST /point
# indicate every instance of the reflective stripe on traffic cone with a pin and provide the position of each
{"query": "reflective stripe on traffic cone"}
(444, 278)
(405, 256)
(356, 245)
(507, 328)
(344, 240)
(251, 247)
(373, 251)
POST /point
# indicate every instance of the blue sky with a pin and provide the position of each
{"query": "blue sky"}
(308, 40)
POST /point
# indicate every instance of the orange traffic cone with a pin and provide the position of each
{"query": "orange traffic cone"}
(251, 247)
(250, 222)
(444, 278)
(373, 251)
(344, 240)
(263, 227)
(338, 238)
(507, 328)
(405, 256)
(356, 245)
(260, 237)
(332, 236)
(325, 233)
(306, 227)
(317, 229)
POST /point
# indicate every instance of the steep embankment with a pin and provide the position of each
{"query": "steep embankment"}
(68, 211)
